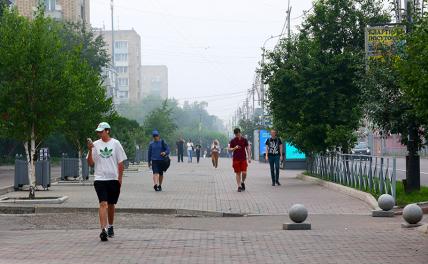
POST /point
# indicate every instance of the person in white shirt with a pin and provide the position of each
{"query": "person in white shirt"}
(189, 151)
(107, 156)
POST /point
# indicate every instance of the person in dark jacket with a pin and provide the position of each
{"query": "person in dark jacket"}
(158, 152)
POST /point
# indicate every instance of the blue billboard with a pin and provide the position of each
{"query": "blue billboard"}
(263, 136)
(292, 153)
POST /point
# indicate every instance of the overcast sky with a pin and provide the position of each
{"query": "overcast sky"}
(210, 47)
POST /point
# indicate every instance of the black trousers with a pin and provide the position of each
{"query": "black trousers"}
(180, 155)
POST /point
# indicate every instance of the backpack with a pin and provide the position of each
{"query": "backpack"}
(166, 162)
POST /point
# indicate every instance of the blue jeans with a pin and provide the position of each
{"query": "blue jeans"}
(274, 167)
(189, 155)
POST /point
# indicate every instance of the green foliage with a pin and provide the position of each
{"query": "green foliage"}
(34, 76)
(128, 132)
(413, 69)
(160, 119)
(313, 96)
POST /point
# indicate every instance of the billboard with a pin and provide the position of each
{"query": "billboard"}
(292, 153)
(381, 40)
(263, 136)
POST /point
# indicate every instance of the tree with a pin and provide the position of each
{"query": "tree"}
(35, 90)
(161, 119)
(91, 103)
(3, 5)
(128, 132)
(312, 94)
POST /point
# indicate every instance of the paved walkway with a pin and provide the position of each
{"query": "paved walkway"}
(342, 230)
(201, 187)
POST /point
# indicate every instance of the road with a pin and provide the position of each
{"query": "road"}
(401, 170)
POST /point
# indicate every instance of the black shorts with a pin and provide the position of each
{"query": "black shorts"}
(107, 191)
(157, 167)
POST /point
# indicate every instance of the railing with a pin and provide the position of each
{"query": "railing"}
(376, 175)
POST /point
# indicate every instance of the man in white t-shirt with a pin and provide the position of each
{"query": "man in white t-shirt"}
(107, 156)
(189, 151)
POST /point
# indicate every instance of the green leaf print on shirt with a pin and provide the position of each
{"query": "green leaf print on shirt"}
(106, 153)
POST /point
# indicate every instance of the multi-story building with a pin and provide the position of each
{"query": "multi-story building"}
(127, 63)
(68, 10)
(154, 80)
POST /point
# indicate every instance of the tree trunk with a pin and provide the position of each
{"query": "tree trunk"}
(30, 150)
(80, 153)
(413, 177)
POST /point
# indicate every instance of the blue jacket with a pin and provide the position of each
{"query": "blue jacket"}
(155, 149)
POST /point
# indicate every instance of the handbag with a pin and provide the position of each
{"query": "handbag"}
(166, 162)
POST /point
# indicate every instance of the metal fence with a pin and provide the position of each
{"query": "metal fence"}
(372, 174)
(70, 168)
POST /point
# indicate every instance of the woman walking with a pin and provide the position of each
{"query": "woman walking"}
(158, 157)
(215, 151)
(189, 151)
(198, 148)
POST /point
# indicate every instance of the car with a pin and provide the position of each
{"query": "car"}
(361, 148)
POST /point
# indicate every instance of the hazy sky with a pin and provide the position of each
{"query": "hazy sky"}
(210, 47)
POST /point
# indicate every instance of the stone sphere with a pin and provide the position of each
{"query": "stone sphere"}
(412, 213)
(298, 213)
(386, 202)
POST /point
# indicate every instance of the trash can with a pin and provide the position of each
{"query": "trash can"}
(43, 173)
(21, 174)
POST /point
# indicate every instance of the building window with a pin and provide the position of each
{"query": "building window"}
(122, 69)
(122, 95)
(121, 44)
(123, 81)
(121, 57)
(50, 5)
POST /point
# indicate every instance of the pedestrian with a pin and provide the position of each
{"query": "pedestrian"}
(205, 153)
(198, 148)
(228, 151)
(106, 155)
(180, 149)
(215, 151)
(189, 151)
(158, 157)
(241, 153)
(274, 155)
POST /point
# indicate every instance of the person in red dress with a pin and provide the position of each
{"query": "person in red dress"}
(241, 153)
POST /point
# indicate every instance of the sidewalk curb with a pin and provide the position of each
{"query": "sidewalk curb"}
(363, 196)
(156, 211)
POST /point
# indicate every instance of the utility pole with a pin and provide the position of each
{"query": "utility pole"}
(413, 177)
(289, 21)
(112, 34)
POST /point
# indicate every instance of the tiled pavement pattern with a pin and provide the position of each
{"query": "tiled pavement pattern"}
(334, 239)
(201, 187)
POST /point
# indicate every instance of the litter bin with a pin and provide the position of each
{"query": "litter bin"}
(21, 173)
(43, 173)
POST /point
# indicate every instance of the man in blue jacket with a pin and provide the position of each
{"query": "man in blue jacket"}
(158, 153)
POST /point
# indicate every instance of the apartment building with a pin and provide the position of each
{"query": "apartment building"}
(154, 80)
(68, 10)
(127, 63)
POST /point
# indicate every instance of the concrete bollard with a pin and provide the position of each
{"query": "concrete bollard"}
(298, 214)
(412, 214)
(386, 202)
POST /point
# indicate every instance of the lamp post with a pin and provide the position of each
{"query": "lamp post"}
(262, 84)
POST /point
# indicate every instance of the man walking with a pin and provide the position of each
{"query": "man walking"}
(180, 149)
(107, 156)
(239, 145)
(274, 155)
(198, 149)
(157, 155)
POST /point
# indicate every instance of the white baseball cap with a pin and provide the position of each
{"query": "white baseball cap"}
(102, 126)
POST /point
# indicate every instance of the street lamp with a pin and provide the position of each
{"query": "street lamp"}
(262, 84)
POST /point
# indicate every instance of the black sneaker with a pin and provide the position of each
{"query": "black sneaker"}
(243, 186)
(103, 235)
(159, 188)
(239, 189)
(273, 184)
(277, 183)
(110, 231)
(155, 187)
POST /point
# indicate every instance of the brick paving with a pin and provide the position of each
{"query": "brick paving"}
(342, 230)
(201, 187)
